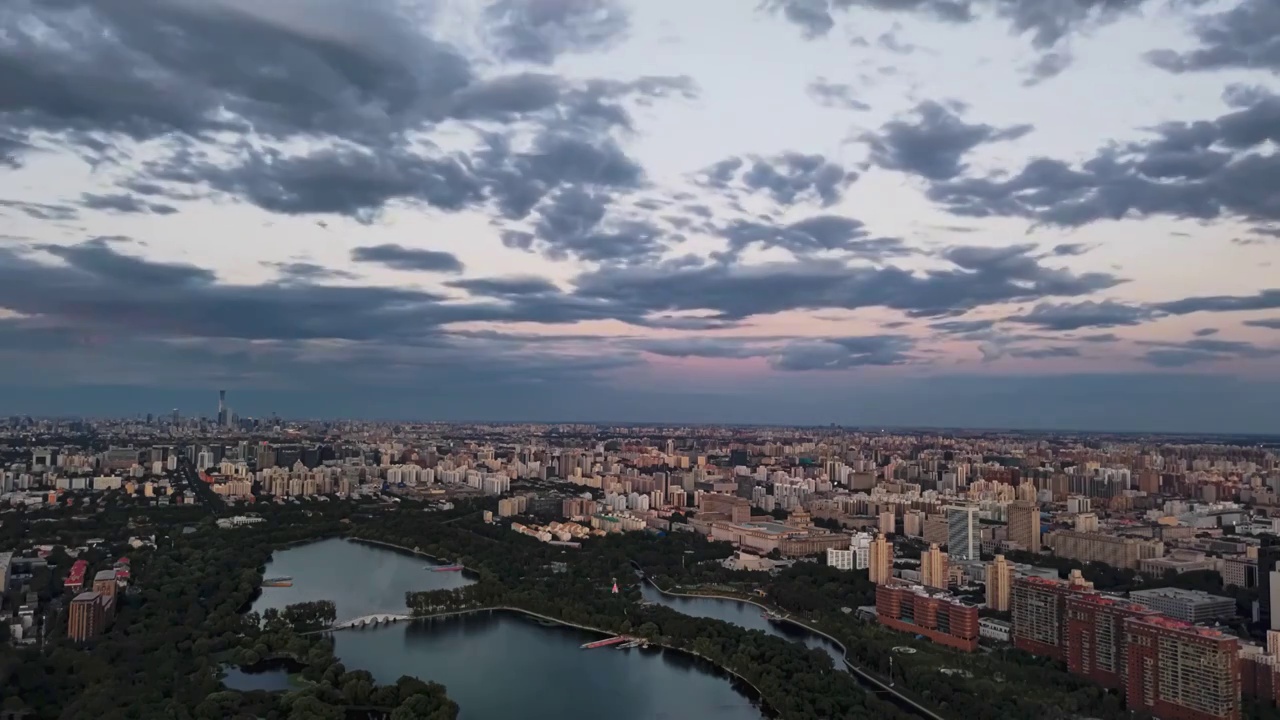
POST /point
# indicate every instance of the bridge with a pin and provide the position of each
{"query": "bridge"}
(378, 619)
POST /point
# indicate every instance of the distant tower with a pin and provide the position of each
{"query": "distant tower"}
(222, 408)
(615, 587)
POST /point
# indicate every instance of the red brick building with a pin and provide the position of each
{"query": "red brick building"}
(936, 616)
(1177, 671)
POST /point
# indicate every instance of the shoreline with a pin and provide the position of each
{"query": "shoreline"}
(844, 651)
(766, 709)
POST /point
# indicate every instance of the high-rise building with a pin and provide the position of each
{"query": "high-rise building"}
(880, 564)
(87, 616)
(887, 524)
(1024, 524)
(999, 576)
(1039, 609)
(934, 568)
(860, 544)
(1095, 644)
(963, 537)
(912, 523)
(1181, 671)
(840, 559)
(222, 408)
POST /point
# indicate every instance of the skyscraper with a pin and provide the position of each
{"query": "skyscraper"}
(962, 533)
(880, 569)
(999, 576)
(1024, 524)
(222, 408)
(934, 568)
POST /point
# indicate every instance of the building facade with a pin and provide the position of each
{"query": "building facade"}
(916, 609)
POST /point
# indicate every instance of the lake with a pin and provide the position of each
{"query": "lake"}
(495, 665)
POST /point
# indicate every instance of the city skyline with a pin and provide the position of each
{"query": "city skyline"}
(956, 213)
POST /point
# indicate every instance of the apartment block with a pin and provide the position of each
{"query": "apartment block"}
(1177, 671)
(1122, 552)
(936, 616)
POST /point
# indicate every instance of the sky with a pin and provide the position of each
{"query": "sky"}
(961, 213)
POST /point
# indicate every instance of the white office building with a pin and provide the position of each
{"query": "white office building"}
(963, 535)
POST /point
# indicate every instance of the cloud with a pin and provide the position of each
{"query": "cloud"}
(1206, 332)
(1099, 338)
(539, 31)
(123, 203)
(701, 347)
(1262, 300)
(515, 286)
(980, 276)
(11, 151)
(308, 272)
(1203, 350)
(398, 257)
(41, 211)
(812, 235)
(1242, 37)
(788, 179)
(1045, 353)
(835, 95)
(1071, 249)
(1270, 323)
(934, 141)
(1074, 316)
(843, 353)
(1048, 66)
(1201, 170)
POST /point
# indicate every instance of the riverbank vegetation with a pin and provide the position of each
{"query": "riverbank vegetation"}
(795, 682)
(162, 653)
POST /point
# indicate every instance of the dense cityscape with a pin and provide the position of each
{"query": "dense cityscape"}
(1143, 565)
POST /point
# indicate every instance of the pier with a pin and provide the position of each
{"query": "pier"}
(606, 642)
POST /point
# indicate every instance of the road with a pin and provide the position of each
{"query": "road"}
(188, 479)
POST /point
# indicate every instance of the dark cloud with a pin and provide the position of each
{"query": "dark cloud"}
(1270, 323)
(981, 276)
(399, 257)
(962, 326)
(701, 347)
(1070, 249)
(934, 141)
(890, 41)
(123, 203)
(41, 211)
(1201, 170)
(1203, 350)
(788, 178)
(1205, 332)
(1263, 300)
(835, 95)
(815, 18)
(575, 223)
(843, 353)
(514, 286)
(539, 31)
(811, 235)
(11, 151)
(1099, 338)
(1074, 316)
(1045, 353)
(362, 79)
(1048, 66)
(1246, 36)
(307, 272)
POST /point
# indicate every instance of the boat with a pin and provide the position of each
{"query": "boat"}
(278, 582)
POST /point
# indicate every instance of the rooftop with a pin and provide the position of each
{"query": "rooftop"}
(1179, 594)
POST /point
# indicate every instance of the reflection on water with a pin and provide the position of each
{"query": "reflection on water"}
(497, 666)
(360, 579)
(237, 679)
(746, 615)
(501, 665)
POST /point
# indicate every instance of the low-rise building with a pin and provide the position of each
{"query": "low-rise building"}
(1190, 606)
